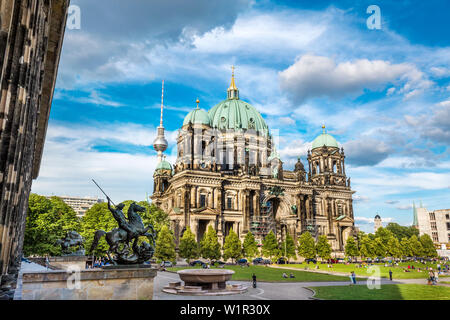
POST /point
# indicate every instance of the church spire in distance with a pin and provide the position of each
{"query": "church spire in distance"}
(233, 91)
(160, 144)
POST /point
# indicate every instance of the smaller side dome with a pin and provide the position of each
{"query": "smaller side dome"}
(325, 139)
(163, 165)
(197, 116)
(377, 217)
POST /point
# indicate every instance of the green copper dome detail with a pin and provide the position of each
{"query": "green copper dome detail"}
(163, 165)
(237, 114)
(197, 116)
(325, 140)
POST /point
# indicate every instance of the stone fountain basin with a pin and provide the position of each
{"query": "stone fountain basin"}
(205, 275)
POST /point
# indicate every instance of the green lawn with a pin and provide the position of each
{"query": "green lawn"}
(387, 292)
(398, 271)
(273, 275)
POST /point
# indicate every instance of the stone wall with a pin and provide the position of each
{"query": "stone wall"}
(95, 284)
(31, 35)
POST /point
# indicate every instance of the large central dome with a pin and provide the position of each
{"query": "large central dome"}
(236, 114)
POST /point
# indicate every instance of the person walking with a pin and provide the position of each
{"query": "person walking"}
(390, 274)
(47, 261)
(254, 280)
(353, 277)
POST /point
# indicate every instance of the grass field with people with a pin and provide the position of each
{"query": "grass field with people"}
(386, 292)
(398, 272)
(269, 274)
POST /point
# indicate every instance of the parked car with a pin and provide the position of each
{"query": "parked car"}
(217, 263)
(258, 260)
(197, 263)
(311, 260)
(282, 260)
(242, 261)
(167, 264)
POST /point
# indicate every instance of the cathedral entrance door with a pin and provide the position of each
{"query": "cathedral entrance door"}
(202, 224)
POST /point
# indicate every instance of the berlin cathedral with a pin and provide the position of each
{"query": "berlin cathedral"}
(228, 174)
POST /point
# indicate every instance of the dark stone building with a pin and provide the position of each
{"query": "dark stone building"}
(31, 36)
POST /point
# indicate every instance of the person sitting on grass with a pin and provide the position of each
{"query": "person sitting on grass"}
(291, 275)
(284, 275)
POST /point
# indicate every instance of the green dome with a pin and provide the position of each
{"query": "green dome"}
(163, 165)
(197, 116)
(237, 114)
(325, 140)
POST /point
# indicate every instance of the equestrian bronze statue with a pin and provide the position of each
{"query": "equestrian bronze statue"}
(72, 239)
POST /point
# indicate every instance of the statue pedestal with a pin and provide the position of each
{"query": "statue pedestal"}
(123, 283)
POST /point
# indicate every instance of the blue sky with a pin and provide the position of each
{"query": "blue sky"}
(384, 94)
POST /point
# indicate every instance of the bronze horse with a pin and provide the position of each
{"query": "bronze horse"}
(129, 230)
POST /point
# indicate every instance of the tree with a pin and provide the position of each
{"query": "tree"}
(250, 246)
(323, 248)
(416, 246)
(288, 247)
(366, 247)
(351, 249)
(188, 246)
(394, 250)
(406, 248)
(428, 248)
(306, 247)
(232, 247)
(379, 248)
(209, 245)
(47, 221)
(381, 244)
(270, 246)
(165, 245)
(401, 232)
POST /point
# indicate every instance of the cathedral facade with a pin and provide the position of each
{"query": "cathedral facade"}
(228, 174)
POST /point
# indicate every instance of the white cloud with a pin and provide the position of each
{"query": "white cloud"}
(315, 76)
(70, 161)
(261, 33)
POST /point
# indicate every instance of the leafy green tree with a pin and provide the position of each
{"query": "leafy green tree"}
(428, 248)
(165, 245)
(416, 246)
(351, 249)
(188, 245)
(379, 248)
(250, 246)
(306, 247)
(232, 248)
(401, 232)
(406, 248)
(323, 248)
(47, 221)
(366, 247)
(394, 249)
(209, 245)
(288, 247)
(270, 246)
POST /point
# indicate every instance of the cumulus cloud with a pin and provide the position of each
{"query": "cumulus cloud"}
(404, 207)
(391, 201)
(315, 76)
(435, 127)
(71, 160)
(366, 151)
(365, 220)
